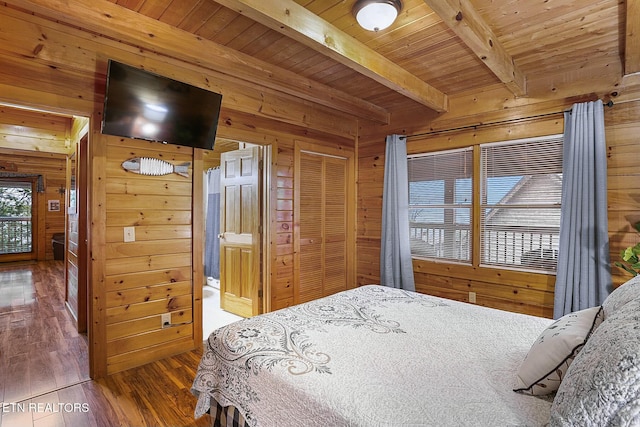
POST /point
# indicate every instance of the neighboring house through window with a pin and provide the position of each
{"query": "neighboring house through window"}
(517, 209)
(440, 202)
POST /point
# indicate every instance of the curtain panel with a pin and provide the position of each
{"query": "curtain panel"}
(396, 267)
(583, 277)
(212, 225)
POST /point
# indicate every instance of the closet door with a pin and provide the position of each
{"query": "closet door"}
(324, 232)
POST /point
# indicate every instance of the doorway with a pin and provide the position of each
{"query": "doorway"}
(234, 248)
(42, 350)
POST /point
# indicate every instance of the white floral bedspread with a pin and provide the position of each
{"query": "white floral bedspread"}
(373, 356)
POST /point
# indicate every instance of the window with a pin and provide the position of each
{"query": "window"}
(518, 217)
(15, 216)
(521, 189)
(440, 201)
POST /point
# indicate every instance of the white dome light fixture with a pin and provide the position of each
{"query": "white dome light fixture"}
(376, 15)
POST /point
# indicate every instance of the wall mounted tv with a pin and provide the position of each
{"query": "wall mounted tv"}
(139, 104)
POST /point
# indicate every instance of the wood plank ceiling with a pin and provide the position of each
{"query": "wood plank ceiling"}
(435, 49)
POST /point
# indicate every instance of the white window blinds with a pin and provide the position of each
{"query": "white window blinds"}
(521, 188)
(440, 201)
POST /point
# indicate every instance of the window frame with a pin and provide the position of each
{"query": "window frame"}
(476, 205)
(451, 226)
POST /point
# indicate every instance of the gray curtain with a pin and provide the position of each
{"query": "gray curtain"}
(583, 276)
(396, 268)
(212, 225)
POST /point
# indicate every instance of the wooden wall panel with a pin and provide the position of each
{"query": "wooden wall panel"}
(77, 80)
(160, 255)
(67, 75)
(35, 131)
(282, 287)
(622, 127)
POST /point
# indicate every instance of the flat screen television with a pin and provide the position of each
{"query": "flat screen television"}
(143, 105)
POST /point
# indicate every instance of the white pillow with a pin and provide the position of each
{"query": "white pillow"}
(621, 295)
(602, 386)
(546, 363)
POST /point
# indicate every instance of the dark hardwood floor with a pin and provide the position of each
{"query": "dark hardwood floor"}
(44, 374)
(40, 348)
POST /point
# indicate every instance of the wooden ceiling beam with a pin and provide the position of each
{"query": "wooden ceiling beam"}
(632, 38)
(300, 24)
(466, 22)
(127, 26)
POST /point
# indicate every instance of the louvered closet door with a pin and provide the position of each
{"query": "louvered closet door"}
(322, 258)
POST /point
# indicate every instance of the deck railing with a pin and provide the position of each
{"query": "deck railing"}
(431, 240)
(15, 235)
(524, 247)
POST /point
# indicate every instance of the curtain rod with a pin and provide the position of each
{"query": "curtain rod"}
(521, 119)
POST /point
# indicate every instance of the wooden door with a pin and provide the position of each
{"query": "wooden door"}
(76, 275)
(240, 240)
(81, 204)
(324, 256)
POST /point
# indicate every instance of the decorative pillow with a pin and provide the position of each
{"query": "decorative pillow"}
(602, 385)
(544, 366)
(624, 293)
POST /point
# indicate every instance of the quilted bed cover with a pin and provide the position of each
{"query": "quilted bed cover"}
(373, 356)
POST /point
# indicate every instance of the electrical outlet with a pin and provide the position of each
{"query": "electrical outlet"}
(166, 320)
(129, 234)
(472, 297)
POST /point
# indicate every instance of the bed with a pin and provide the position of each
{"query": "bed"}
(378, 356)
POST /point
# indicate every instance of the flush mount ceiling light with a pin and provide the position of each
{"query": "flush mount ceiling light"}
(376, 15)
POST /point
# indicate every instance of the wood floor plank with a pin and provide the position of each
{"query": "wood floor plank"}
(68, 374)
(79, 414)
(41, 375)
(55, 419)
(16, 418)
(17, 384)
(108, 409)
(40, 348)
(42, 353)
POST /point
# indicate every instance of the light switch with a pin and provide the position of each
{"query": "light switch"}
(129, 234)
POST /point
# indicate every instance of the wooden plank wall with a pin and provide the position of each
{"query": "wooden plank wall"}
(623, 180)
(68, 75)
(38, 131)
(282, 287)
(520, 292)
(153, 274)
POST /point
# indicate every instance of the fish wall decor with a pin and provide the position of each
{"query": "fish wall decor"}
(155, 167)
